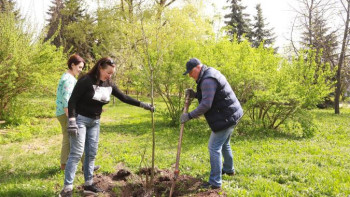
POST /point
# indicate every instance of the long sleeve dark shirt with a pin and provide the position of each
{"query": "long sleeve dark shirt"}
(88, 98)
(208, 87)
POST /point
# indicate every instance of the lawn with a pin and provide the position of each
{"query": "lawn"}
(266, 164)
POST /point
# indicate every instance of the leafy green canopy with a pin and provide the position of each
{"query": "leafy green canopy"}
(271, 89)
(168, 46)
(25, 66)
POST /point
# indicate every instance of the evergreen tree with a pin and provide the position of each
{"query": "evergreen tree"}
(70, 27)
(259, 32)
(81, 37)
(72, 11)
(55, 22)
(317, 36)
(238, 22)
(9, 7)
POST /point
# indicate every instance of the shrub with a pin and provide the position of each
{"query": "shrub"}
(272, 90)
(26, 66)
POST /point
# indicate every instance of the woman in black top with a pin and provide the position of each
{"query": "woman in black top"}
(91, 92)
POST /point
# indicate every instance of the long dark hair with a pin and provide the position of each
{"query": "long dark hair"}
(75, 59)
(101, 63)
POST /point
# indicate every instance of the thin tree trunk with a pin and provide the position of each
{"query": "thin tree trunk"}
(341, 60)
(310, 23)
(162, 5)
(151, 69)
(153, 127)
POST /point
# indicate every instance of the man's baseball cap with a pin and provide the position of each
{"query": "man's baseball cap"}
(191, 64)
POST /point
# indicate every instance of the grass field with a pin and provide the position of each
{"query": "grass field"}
(266, 164)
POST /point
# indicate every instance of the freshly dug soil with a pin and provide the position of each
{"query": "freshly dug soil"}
(124, 183)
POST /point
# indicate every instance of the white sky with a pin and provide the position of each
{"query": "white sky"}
(278, 13)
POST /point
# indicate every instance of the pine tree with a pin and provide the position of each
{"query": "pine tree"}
(55, 22)
(259, 32)
(72, 16)
(9, 7)
(70, 27)
(317, 36)
(72, 11)
(81, 37)
(238, 22)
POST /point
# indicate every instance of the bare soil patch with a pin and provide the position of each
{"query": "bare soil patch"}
(124, 183)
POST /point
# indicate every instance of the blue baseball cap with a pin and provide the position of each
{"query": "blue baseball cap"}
(191, 64)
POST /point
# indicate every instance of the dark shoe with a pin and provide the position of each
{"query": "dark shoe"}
(95, 168)
(91, 189)
(66, 194)
(207, 185)
(229, 174)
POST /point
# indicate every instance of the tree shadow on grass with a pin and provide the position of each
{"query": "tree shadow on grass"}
(329, 114)
(26, 192)
(195, 132)
(23, 175)
(264, 135)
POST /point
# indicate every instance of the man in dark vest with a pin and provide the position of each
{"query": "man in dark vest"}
(221, 109)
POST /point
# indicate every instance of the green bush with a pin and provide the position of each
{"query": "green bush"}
(301, 124)
(271, 89)
(18, 113)
(26, 66)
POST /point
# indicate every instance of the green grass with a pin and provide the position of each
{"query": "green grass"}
(267, 165)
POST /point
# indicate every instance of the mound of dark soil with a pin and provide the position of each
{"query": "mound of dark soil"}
(124, 183)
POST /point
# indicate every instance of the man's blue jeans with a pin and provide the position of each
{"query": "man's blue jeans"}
(89, 130)
(219, 145)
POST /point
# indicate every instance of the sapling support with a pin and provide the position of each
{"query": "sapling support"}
(177, 171)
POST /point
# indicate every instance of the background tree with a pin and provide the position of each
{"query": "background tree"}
(127, 8)
(55, 23)
(237, 23)
(317, 36)
(320, 38)
(9, 6)
(162, 4)
(25, 67)
(344, 46)
(71, 27)
(170, 45)
(259, 32)
(81, 38)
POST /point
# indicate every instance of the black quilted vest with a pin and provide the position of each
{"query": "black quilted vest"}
(226, 109)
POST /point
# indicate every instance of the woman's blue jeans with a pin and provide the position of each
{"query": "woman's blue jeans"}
(89, 130)
(219, 146)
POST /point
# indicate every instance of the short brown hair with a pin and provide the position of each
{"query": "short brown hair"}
(74, 59)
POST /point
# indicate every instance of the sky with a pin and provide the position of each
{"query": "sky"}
(278, 13)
